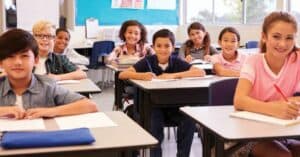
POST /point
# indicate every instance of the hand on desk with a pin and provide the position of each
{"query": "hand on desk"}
(16, 112)
(285, 110)
(40, 112)
(12, 112)
(189, 58)
(148, 76)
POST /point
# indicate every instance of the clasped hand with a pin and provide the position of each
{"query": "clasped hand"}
(19, 113)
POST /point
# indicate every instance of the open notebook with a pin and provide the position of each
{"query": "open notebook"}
(264, 118)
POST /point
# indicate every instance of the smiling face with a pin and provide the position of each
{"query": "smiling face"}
(279, 39)
(45, 40)
(18, 66)
(197, 36)
(229, 43)
(132, 35)
(163, 48)
(61, 41)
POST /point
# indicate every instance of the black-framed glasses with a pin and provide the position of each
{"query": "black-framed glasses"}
(44, 36)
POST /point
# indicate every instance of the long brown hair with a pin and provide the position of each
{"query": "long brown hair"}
(206, 41)
(270, 20)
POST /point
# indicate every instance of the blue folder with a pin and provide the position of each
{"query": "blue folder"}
(35, 139)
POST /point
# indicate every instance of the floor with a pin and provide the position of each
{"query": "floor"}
(105, 101)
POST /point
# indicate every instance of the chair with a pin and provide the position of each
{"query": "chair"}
(101, 49)
(251, 44)
(222, 92)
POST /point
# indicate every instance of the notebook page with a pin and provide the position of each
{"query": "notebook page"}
(264, 118)
(89, 120)
(9, 124)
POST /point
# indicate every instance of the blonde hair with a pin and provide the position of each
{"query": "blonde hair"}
(42, 25)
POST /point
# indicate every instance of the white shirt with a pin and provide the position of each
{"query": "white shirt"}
(19, 101)
(41, 67)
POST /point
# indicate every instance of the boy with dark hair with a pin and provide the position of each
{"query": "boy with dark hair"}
(163, 66)
(27, 95)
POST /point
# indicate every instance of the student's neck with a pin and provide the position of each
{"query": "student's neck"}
(57, 50)
(275, 63)
(43, 54)
(131, 48)
(197, 45)
(20, 86)
(163, 61)
(229, 57)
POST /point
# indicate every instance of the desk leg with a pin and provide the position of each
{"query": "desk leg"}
(206, 143)
(144, 108)
(220, 152)
(119, 85)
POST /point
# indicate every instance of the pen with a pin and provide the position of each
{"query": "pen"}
(149, 66)
(281, 93)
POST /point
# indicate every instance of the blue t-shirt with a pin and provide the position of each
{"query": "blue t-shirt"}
(150, 64)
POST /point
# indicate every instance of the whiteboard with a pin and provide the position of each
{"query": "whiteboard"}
(31, 11)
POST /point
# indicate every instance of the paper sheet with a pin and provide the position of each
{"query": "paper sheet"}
(199, 61)
(198, 78)
(264, 118)
(89, 120)
(163, 80)
(68, 82)
(8, 124)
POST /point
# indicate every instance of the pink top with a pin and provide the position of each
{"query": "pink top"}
(121, 50)
(257, 71)
(233, 65)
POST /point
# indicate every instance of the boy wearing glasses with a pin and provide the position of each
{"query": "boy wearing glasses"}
(55, 66)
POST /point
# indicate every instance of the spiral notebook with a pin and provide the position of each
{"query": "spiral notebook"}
(264, 118)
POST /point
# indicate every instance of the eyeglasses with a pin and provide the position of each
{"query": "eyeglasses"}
(44, 36)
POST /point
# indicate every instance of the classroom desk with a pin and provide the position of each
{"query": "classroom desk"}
(208, 68)
(177, 93)
(110, 141)
(85, 87)
(216, 121)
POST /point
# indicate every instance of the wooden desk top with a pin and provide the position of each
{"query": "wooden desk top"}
(85, 86)
(217, 119)
(126, 135)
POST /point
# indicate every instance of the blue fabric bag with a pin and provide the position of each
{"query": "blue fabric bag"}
(32, 139)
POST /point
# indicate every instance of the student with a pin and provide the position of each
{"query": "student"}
(229, 61)
(57, 67)
(27, 95)
(135, 47)
(198, 46)
(279, 63)
(163, 66)
(61, 43)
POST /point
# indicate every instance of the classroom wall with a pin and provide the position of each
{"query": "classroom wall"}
(248, 32)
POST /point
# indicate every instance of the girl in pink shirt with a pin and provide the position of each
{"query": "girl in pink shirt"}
(279, 63)
(135, 46)
(229, 62)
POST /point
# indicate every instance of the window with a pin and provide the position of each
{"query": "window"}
(294, 8)
(11, 14)
(228, 11)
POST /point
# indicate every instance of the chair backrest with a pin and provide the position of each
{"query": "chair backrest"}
(100, 48)
(251, 44)
(222, 92)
